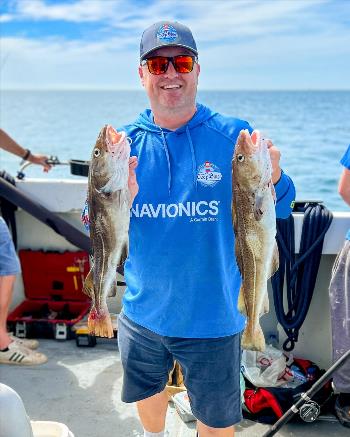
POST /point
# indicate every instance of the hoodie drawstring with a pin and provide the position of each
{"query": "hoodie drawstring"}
(193, 156)
(167, 158)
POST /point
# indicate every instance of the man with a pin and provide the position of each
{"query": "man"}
(339, 293)
(181, 274)
(14, 350)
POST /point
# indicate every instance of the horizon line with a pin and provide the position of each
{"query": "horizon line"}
(199, 90)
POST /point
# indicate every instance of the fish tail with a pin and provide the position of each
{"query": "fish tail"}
(100, 323)
(253, 338)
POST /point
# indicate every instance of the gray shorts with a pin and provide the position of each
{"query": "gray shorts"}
(210, 366)
(9, 263)
(339, 294)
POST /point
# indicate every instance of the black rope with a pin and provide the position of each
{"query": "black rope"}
(298, 272)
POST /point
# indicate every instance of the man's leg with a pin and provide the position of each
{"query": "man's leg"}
(211, 370)
(207, 431)
(146, 363)
(6, 288)
(152, 412)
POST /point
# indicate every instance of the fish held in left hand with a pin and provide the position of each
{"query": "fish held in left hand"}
(109, 215)
(254, 222)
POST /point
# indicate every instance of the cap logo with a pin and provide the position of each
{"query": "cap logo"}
(167, 33)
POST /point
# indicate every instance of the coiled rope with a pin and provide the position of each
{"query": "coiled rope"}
(299, 272)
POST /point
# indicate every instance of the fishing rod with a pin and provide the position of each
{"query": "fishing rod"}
(77, 166)
(308, 409)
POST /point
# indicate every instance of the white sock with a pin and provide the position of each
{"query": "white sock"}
(153, 434)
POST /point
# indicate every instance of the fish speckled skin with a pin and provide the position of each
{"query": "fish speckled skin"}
(254, 222)
(109, 214)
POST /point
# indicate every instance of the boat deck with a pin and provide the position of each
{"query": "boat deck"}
(81, 388)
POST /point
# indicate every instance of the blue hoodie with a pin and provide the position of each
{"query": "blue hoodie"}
(181, 274)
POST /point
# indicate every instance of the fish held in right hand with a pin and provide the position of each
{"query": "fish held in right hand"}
(109, 215)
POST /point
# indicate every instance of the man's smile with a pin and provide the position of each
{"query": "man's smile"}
(171, 87)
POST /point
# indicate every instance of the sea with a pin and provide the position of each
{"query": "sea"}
(311, 129)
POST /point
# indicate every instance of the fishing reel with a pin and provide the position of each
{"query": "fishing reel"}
(309, 411)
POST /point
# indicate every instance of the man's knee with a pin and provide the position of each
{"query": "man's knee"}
(208, 431)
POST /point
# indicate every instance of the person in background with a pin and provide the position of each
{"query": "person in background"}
(14, 350)
(9, 144)
(339, 293)
(181, 274)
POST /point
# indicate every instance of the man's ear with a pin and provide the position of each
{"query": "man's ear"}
(141, 76)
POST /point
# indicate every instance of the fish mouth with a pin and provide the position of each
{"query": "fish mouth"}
(249, 143)
(116, 143)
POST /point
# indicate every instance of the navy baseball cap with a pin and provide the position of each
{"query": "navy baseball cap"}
(166, 33)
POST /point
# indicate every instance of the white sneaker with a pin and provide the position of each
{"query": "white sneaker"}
(26, 342)
(21, 356)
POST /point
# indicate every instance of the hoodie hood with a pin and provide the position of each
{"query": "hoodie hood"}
(145, 122)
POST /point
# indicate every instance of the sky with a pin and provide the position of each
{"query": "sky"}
(243, 44)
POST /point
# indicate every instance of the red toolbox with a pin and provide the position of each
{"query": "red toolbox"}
(53, 283)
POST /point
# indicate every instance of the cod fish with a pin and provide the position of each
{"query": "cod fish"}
(109, 215)
(254, 223)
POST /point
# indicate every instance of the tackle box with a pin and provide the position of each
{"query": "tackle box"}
(54, 300)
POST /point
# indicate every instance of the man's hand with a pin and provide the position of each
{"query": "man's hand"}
(275, 156)
(40, 160)
(132, 182)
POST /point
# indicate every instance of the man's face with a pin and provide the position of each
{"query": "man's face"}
(171, 90)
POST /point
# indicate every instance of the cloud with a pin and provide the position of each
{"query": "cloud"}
(270, 40)
(79, 11)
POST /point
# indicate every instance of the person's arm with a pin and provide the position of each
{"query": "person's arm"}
(284, 187)
(344, 185)
(10, 145)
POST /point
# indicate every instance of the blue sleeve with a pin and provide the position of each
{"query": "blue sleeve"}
(345, 161)
(285, 193)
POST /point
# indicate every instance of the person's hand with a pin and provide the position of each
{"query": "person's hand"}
(40, 160)
(132, 182)
(275, 156)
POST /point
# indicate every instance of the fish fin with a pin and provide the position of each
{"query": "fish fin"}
(88, 287)
(253, 339)
(275, 262)
(113, 289)
(100, 323)
(124, 254)
(266, 305)
(239, 257)
(241, 302)
(258, 207)
(273, 192)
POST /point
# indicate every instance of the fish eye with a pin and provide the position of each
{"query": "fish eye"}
(240, 157)
(97, 153)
